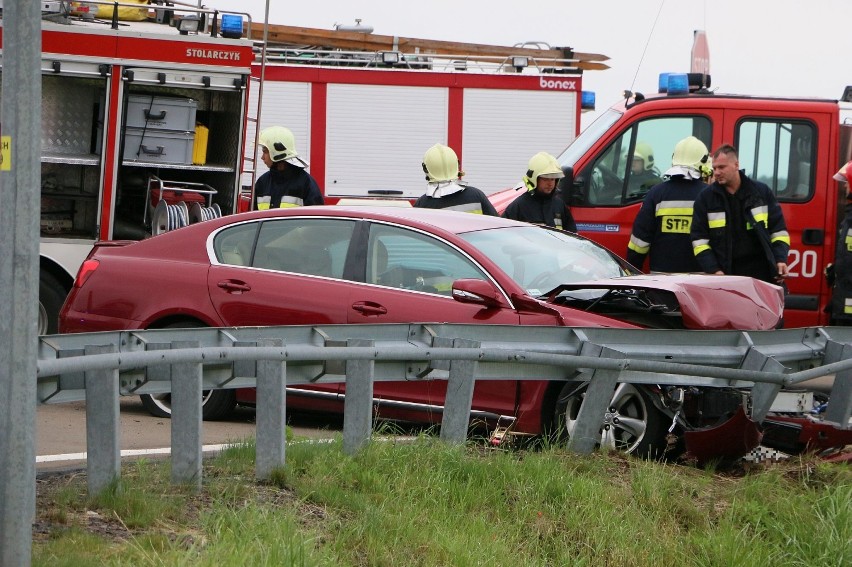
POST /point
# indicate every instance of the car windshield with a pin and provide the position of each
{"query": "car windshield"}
(540, 260)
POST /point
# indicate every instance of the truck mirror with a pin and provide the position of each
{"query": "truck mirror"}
(571, 189)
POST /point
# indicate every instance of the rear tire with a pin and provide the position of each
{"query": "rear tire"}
(632, 424)
(215, 404)
(51, 296)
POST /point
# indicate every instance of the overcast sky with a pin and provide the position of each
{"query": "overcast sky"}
(764, 47)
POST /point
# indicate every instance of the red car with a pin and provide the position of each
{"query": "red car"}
(337, 265)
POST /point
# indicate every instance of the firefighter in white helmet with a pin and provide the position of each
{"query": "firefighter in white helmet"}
(287, 183)
(445, 189)
(661, 229)
(643, 173)
(540, 203)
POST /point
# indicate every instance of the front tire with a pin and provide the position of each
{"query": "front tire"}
(215, 404)
(632, 423)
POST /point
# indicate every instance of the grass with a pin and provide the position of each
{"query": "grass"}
(426, 503)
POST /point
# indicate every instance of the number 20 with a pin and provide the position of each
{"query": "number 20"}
(808, 261)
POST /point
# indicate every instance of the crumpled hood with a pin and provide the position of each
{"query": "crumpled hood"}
(705, 301)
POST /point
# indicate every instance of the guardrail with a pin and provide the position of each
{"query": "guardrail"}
(101, 367)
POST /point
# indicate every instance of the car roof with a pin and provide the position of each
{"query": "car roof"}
(451, 221)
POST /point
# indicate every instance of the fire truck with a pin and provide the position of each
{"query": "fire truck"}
(149, 123)
(143, 124)
(364, 107)
(795, 146)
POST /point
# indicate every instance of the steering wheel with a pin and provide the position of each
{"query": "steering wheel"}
(606, 185)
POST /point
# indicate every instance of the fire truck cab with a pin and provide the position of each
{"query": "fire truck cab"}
(793, 145)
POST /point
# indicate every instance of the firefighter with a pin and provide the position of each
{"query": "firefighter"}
(839, 274)
(661, 229)
(540, 204)
(287, 183)
(738, 227)
(445, 189)
(643, 172)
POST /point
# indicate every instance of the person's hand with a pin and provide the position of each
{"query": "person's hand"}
(783, 272)
(718, 273)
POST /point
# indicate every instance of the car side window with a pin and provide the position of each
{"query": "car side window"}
(314, 247)
(407, 259)
(233, 245)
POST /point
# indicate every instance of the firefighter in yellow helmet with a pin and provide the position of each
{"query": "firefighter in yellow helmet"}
(445, 189)
(839, 274)
(540, 203)
(643, 172)
(661, 229)
(287, 183)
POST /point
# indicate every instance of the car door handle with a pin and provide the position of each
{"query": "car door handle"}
(234, 286)
(369, 308)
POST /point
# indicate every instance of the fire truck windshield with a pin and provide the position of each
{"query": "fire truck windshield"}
(581, 144)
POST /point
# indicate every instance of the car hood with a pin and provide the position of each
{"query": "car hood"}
(691, 301)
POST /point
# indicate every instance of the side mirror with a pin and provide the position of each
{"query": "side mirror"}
(571, 188)
(478, 292)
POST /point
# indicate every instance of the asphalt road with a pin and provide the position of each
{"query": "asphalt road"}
(61, 430)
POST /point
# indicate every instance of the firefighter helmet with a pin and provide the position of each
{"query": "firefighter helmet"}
(281, 145)
(645, 152)
(690, 152)
(541, 164)
(441, 164)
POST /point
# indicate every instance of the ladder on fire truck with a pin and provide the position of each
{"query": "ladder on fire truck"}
(299, 45)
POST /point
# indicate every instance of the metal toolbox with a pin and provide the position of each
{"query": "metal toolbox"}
(161, 112)
(160, 146)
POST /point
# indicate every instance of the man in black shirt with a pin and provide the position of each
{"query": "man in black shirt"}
(445, 189)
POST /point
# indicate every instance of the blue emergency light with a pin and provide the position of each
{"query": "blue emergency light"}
(587, 100)
(663, 84)
(232, 26)
(678, 83)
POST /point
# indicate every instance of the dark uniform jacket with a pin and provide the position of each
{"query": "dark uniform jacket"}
(539, 208)
(715, 241)
(468, 200)
(291, 187)
(661, 229)
(841, 297)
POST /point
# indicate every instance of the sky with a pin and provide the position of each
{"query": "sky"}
(757, 47)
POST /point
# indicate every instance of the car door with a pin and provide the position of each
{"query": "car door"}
(281, 272)
(408, 277)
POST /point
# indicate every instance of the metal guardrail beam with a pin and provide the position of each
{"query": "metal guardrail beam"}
(75, 367)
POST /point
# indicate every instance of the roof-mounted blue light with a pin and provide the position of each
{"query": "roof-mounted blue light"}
(232, 26)
(678, 83)
(587, 100)
(663, 84)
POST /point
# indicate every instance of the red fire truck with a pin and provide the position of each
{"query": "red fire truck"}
(365, 107)
(793, 145)
(145, 124)
(127, 110)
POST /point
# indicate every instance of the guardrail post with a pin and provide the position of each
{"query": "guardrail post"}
(358, 405)
(762, 393)
(839, 408)
(271, 413)
(586, 435)
(186, 419)
(103, 447)
(456, 418)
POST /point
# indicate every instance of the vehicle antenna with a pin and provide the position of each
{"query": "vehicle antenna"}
(650, 34)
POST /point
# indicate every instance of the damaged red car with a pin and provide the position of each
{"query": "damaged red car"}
(349, 265)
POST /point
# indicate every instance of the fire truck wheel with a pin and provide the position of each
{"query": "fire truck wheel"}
(51, 296)
(631, 424)
(215, 404)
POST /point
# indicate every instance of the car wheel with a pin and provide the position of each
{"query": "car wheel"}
(215, 404)
(632, 423)
(51, 296)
